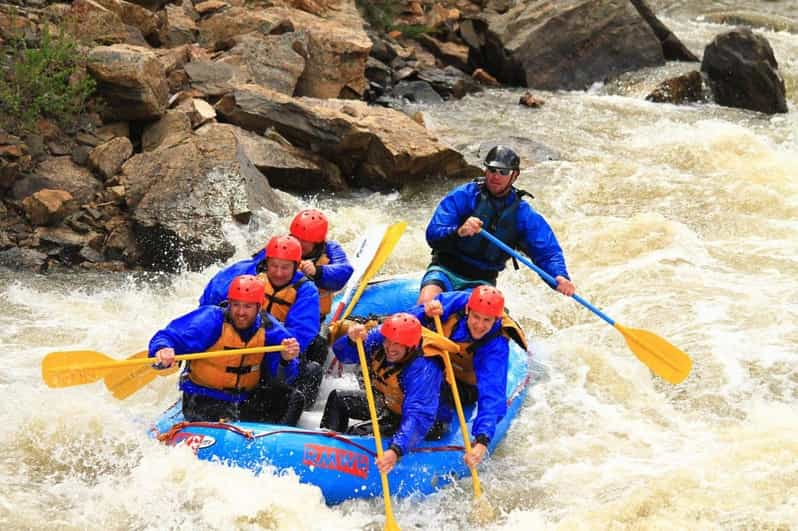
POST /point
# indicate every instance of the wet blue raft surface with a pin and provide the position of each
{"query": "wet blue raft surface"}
(342, 466)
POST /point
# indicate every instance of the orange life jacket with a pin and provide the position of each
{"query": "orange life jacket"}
(463, 360)
(385, 377)
(230, 373)
(279, 302)
(325, 296)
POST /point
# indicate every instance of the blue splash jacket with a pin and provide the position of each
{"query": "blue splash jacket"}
(199, 329)
(420, 382)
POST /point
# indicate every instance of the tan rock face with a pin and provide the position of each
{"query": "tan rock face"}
(61, 173)
(209, 6)
(174, 127)
(379, 147)
(198, 111)
(134, 15)
(274, 61)
(181, 197)
(131, 79)
(216, 31)
(47, 206)
(108, 158)
(90, 21)
(178, 27)
(338, 49)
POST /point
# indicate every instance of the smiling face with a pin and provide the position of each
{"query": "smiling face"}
(280, 271)
(395, 352)
(479, 324)
(243, 314)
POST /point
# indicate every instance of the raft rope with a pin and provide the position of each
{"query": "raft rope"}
(169, 435)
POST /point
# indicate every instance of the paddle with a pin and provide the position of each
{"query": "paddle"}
(365, 251)
(364, 269)
(389, 241)
(125, 381)
(482, 511)
(664, 359)
(78, 367)
(390, 522)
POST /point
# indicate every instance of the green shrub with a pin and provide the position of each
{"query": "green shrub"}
(42, 81)
(379, 13)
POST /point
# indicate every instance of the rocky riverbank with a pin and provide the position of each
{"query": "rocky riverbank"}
(201, 109)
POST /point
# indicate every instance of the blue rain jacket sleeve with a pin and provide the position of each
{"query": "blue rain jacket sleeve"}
(451, 301)
(450, 213)
(302, 319)
(194, 332)
(421, 384)
(335, 275)
(346, 350)
(273, 365)
(216, 290)
(490, 364)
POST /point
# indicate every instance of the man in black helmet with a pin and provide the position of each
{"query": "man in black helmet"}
(462, 259)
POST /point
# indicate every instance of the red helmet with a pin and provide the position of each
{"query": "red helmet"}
(486, 300)
(285, 247)
(246, 288)
(310, 225)
(402, 328)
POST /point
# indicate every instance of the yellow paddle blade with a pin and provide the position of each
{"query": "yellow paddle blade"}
(389, 241)
(77, 367)
(665, 360)
(125, 381)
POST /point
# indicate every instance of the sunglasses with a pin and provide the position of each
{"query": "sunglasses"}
(500, 171)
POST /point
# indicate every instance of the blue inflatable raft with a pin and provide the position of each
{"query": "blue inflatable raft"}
(342, 466)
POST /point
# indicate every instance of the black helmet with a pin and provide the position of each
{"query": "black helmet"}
(502, 157)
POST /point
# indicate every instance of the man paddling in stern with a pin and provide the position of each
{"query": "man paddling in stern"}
(461, 258)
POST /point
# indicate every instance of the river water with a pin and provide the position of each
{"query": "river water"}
(681, 220)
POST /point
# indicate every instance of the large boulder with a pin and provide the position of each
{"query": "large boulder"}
(285, 166)
(373, 146)
(92, 22)
(220, 29)
(59, 173)
(134, 15)
(338, 48)
(274, 61)
(181, 198)
(131, 80)
(743, 72)
(561, 44)
(179, 26)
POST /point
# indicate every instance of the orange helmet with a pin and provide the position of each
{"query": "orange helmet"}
(285, 247)
(486, 300)
(402, 328)
(310, 225)
(246, 288)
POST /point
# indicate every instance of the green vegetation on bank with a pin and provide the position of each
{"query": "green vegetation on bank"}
(381, 15)
(46, 80)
